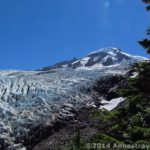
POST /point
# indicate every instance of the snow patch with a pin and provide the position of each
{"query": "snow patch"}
(110, 50)
(84, 61)
(136, 57)
(95, 58)
(112, 53)
(94, 67)
(135, 74)
(75, 62)
(110, 105)
(64, 66)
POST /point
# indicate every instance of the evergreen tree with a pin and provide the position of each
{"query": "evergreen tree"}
(148, 4)
(146, 42)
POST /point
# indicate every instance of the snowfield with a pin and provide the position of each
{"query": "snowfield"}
(29, 98)
(110, 105)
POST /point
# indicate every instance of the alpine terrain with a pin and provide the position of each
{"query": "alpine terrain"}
(35, 104)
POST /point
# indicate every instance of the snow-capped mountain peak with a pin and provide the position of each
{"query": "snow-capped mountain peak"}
(110, 50)
(100, 58)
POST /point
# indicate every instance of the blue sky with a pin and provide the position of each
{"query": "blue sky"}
(37, 33)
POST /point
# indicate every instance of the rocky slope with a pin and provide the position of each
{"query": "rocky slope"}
(35, 100)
